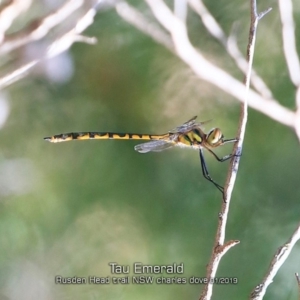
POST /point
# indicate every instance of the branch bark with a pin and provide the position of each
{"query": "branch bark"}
(230, 45)
(59, 45)
(279, 258)
(298, 283)
(39, 28)
(234, 164)
(207, 71)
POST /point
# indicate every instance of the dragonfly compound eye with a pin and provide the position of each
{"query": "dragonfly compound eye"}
(215, 137)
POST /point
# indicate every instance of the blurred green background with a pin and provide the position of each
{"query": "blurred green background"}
(70, 209)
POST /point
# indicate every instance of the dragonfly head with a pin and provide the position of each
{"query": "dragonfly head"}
(215, 137)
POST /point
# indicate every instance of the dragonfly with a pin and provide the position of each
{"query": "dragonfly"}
(188, 135)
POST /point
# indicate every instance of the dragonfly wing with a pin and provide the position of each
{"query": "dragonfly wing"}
(187, 126)
(155, 146)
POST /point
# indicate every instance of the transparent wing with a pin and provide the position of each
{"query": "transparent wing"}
(187, 126)
(155, 146)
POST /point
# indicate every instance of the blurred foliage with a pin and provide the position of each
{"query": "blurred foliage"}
(83, 205)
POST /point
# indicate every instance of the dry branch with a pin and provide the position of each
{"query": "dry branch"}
(289, 40)
(39, 28)
(10, 12)
(229, 43)
(59, 45)
(206, 70)
(234, 164)
(298, 283)
(290, 52)
(137, 19)
(279, 258)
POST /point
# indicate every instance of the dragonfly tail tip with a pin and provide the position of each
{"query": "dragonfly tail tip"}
(48, 138)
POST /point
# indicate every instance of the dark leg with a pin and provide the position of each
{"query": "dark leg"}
(224, 158)
(205, 171)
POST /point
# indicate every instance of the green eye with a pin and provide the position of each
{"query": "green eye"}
(215, 136)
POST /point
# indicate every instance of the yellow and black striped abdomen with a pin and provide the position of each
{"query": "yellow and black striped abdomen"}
(64, 137)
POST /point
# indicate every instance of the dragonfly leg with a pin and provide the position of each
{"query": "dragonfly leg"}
(206, 174)
(230, 141)
(224, 158)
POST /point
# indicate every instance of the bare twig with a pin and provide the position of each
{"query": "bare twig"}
(290, 52)
(289, 41)
(137, 19)
(255, 17)
(66, 41)
(297, 116)
(58, 46)
(39, 28)
(298, 283)
(180, 9)
(10, 12)
(221, 230)
(229, 43)
(211, 73)
(279, 258)
(17, 74)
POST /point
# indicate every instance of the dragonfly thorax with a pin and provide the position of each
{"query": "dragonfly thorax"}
(215, 137)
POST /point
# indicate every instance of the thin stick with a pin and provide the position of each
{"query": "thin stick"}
(230, 45)
(144, 24)
(255, 17)
(11, 11)
(207, 71)
(290, 52)
(298, 282)
(289, 40)
(39, 28)
(220, 247)
(56, 47)
(279, 258)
